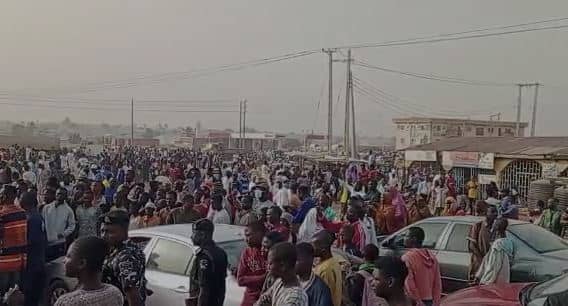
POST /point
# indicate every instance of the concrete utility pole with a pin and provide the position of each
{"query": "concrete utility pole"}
(534, 110)
(244, 121)
(330, 106)
(354, 153)
(132, 122)
(533, 122)
(240, 123)
(519, 102)
(346, 136)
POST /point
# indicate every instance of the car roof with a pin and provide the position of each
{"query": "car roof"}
(467, 219)
(222, 233)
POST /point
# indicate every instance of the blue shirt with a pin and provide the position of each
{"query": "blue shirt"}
(308, 204)
(37, 242)
(318, 292)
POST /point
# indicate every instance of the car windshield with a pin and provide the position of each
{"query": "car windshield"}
(537, 291)
(538, 238)
(233, 250)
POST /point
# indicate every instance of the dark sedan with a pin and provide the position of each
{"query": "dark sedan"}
(540, 255)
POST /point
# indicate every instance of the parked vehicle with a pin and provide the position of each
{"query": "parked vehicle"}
(168, 251)
(553, 292)
(540, 255)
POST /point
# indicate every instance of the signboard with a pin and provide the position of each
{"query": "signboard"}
(467, 160)
(549, 169)
(413, 155)
(486, 179)
(486, 160)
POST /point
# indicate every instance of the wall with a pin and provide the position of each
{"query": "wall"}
(412, 134)
(423, 132)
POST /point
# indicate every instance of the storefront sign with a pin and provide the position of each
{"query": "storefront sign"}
(412, 155)
(486, 179)
(467, 160)
(486, 160)
(549, 169)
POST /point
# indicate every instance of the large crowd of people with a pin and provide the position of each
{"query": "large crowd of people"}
(295, 220)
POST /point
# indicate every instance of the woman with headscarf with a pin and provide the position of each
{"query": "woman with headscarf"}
(391, 214)
(419, 210)
(453, 208)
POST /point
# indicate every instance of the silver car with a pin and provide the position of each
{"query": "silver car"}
(540, 255)
(168, 251)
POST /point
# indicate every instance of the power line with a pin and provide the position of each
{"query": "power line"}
(434, 77)
(408, 106)
(172, 76)
(186, 109)
(418, 41)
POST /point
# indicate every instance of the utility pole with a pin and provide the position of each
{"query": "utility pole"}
(330, 104)
(519, 102)
(354, 153)
(240, 123)
(244, 122)
(132, 122)
(346, 137)
(533, 122)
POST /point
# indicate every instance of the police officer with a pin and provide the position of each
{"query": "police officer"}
(124, 266)
(208, 268)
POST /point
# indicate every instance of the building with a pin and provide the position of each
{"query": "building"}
(417, 130)
(257, 141)
(511, 162)
(35, 142)
(143, 142)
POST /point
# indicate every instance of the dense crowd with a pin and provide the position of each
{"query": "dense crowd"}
(295, 221)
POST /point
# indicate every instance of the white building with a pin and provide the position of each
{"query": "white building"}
(417, 130)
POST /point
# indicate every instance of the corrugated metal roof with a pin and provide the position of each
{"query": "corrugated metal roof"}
(500, 145)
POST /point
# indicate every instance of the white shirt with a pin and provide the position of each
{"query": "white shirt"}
(370, 232)
(282, 197)
(219, 217)
(30, 176)
(59, 220)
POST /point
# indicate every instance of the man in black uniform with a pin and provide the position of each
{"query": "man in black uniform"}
(208, 268)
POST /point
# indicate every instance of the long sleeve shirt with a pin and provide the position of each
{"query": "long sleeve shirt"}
(303, 211)
(59, 220)
(424, 281)
(251, 274)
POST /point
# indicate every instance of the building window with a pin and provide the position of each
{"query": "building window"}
(499, 131)
(439, 128)
(479, 131)
(490, 130)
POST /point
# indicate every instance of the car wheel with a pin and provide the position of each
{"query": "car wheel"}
(56, 289)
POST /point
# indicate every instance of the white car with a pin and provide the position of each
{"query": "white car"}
(168, 251)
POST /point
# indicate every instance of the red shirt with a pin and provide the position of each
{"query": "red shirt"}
(358, 235)
(280, 228)
(202, 209)
(251, 274)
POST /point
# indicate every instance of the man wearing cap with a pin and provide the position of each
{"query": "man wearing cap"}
(124, 266)
(208, 268)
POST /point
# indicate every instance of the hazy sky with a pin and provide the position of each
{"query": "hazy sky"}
(53, 48)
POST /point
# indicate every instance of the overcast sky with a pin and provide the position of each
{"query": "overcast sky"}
(53, 48)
